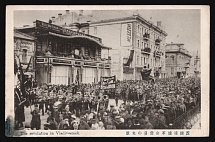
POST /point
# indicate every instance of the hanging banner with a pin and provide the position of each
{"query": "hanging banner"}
(126, 34)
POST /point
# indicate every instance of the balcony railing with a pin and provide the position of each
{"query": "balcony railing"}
(157, 41)
(146, 36)
(158, 53)
(146, 50)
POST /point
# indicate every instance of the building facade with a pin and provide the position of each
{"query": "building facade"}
(178, 61)
(64, 56)
(135, 43)
(24, 48)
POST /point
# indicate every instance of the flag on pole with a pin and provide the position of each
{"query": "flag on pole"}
(28, 65)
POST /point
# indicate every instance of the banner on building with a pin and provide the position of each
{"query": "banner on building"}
(108, 82)
(126, 34)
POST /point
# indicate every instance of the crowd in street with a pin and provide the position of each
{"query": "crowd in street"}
(146, 104)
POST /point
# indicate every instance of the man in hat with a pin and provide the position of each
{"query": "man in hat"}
(118, 123)
(83, 124)
(35, 121)
(41, 105)
(117, 94)
(161, 120)
(56, 114)
(148, 124)
(51, 125)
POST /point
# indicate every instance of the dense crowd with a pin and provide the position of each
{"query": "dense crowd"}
(146, 104)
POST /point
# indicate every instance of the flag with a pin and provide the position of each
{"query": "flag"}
(20, 80)
(28, 65)
(77, 78)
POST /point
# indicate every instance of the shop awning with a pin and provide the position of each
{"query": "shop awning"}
(82, 37)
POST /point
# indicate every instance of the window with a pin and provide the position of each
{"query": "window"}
(24, 55)
(142, 31)
(173, 60)
(145, 31)
(138, 28)
(137, 60)
(144, 60)
(142, 44)
(141, 60)
(138, 43)
(172, 71)
(151, 62)
(95, 30)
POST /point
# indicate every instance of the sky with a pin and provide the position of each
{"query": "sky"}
(181, 25)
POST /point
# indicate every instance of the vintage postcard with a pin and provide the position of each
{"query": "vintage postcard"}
(107, 71)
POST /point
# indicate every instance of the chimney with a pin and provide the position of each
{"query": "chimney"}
(81, 12)
(59, 16)
(159, 24)
(67, 11)
(53, 19)
(25, 25)
(34, 23)
(135, 13)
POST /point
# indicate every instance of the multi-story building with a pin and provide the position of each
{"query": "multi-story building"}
(178, 60)
(135, 43)
(24, 48)
(64, 56)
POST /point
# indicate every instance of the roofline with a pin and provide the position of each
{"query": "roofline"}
(129, 18)
(179, 52)
(64, 36)
(20, 28)
(27, 36)
(175, 44)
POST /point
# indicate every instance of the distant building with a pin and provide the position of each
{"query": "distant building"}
(178, 61)
(64, 56)
(24, 48)
(197, 65)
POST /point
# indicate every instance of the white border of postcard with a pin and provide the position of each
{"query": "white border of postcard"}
(205, 38)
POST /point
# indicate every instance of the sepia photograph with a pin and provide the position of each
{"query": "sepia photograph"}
(133, 70)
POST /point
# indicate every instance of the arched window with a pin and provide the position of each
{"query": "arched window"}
(24, 55)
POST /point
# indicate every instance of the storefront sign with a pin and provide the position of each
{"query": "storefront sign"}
(126, 34)
(40, 60)
(107, 66)
(89, 64)
(128, 70)
(61, 30)
(77, 63)
(61, 61)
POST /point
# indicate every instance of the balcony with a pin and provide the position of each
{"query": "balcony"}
(146, 36)
(187, 65)
(158, 53)
(157, 41)
(146, 50)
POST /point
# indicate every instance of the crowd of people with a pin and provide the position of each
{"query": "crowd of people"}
(146, 104)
